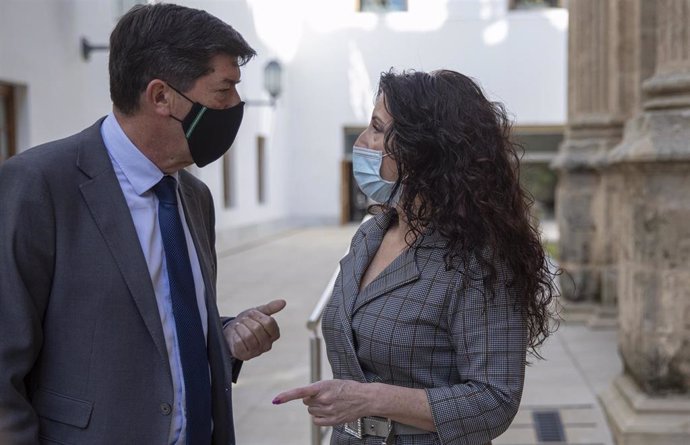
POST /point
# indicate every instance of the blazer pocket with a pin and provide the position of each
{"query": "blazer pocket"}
(63, 409)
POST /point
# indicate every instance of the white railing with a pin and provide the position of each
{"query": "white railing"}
(315, 346)
(315, 341)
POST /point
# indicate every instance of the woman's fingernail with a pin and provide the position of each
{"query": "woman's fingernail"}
(276, 401)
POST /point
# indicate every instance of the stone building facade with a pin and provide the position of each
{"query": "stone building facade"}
(623, 202)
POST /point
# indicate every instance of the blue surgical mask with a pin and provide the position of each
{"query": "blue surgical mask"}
(366, 166)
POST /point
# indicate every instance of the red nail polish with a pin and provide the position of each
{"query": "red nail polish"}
(276, 401)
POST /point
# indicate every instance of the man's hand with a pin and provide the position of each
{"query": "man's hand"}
(253, 331)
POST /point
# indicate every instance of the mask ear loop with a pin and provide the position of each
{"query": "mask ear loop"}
(188, 99)
(179, 92)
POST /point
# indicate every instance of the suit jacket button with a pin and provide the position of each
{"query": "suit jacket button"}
(166, 409)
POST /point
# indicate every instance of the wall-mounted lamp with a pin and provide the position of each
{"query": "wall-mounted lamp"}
(87, 48)
(273, 73)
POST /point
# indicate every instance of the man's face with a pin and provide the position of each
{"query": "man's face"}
(217, 89)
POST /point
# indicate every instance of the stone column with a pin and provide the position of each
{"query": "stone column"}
(593, 128)
(650, 403)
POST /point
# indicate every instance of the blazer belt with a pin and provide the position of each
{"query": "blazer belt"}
(380, 427)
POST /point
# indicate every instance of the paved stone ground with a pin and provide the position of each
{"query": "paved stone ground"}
(296, 264)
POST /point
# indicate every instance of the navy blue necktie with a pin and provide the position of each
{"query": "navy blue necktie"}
(190, 335)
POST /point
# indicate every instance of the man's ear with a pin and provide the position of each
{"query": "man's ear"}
(159, 97)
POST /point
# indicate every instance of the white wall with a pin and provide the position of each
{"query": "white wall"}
(39, 50)
(257, 121)
(332, 57)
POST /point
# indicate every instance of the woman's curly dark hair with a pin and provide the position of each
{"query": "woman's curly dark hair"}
(458, 174)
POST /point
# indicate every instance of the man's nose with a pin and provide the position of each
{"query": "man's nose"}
(235, 99)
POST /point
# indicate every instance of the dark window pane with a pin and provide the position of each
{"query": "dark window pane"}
(228, 187)
(541, 147)
(530, 4)
(7, 122)
(260, 169)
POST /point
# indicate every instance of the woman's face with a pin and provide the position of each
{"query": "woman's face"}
(372, 138)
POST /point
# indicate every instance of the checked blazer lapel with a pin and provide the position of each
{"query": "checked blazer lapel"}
(352, 268)
(401, 271)
(355, 263)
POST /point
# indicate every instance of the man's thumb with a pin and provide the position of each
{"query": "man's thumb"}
(272, 307)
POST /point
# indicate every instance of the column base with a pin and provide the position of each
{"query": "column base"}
(580, 282)
(592, 314)
(637, 418)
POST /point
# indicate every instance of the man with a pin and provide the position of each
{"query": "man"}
(109, 329)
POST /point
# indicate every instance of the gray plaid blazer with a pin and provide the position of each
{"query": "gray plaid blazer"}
(417, 326)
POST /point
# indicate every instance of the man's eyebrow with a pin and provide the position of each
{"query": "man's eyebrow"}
(230, 81)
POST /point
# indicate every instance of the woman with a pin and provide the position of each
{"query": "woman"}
(446, 288)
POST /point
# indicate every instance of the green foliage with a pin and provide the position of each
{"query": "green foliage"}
(540, 181)
(551, 247)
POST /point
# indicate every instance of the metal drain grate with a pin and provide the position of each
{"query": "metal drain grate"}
(548, 426)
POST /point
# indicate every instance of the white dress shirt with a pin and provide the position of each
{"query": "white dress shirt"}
(137, 175)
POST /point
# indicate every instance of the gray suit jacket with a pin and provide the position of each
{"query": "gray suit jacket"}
(417, 326)
(82, 354)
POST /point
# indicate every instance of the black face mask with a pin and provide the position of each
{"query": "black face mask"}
(210, 132)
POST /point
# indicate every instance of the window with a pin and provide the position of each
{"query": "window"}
(353, 203)
(228, 186)
(541, 146)
(382, 5)
(7, 122)
(260, 169)
(535, 4)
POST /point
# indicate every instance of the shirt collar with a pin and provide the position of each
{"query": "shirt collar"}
(141, 173)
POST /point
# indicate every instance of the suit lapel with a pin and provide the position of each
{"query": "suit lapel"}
(219, 358)
(190, 205)
(104, 198)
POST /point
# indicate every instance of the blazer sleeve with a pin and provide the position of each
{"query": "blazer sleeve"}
(489, 336)
(27, 255)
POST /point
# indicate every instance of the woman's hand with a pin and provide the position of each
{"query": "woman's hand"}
(330, 402)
